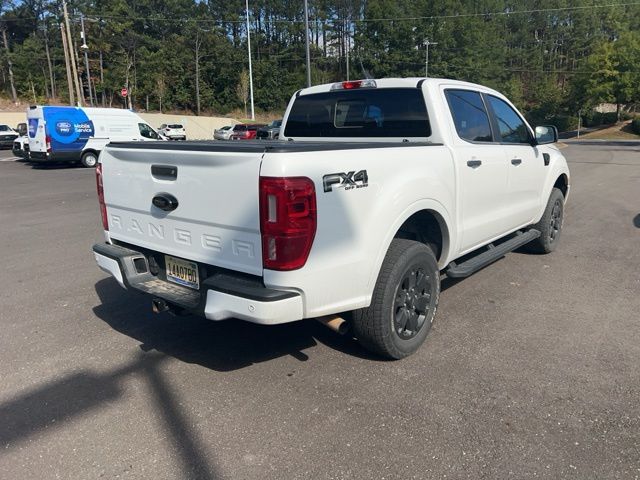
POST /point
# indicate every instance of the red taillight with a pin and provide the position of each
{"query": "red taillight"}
(48, 143)
(351, 85)
(103, 206)
(287, 221)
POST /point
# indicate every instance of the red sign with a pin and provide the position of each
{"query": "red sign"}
(124, 92)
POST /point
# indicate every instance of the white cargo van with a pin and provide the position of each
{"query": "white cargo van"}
(77, 134)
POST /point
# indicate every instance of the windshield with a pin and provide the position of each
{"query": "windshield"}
(5, 128)
(384, 112)
(276, 123)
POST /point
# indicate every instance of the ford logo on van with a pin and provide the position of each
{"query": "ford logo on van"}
(64, 128)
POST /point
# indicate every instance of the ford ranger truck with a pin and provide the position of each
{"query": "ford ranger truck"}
(375, 189)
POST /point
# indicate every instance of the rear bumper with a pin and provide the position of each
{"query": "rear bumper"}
(221, 296)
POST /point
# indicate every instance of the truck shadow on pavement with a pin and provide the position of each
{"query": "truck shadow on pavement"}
(49, 407)
(221, 346)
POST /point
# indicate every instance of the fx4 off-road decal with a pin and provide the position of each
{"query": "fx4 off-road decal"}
(347, 180)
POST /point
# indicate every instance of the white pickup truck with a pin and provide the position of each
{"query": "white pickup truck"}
(375, 189)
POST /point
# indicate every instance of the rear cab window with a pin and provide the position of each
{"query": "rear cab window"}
(360, 113)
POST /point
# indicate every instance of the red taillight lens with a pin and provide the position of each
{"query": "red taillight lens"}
(103, 206)
(352, 85)
(287, 221)
(48, 143)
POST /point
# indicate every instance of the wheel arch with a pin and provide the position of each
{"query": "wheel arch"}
(90, 150)
(426, 221)
(562, 183)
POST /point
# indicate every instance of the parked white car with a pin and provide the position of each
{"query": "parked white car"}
(173, 131)
(223, 133)
(7, 136)
(21, 147)
(376, 189)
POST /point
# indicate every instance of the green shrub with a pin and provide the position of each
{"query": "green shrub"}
(609, 118)
(635, 125)
(563, 123)
(592, 119)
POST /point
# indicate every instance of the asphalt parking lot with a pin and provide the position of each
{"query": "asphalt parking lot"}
(531, 370)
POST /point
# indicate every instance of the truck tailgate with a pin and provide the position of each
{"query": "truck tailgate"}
(217, 218)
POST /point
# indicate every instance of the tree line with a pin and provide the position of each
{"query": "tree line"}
(552, 58)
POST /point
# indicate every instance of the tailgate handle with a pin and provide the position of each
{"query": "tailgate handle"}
(164, 172)
(165, 201)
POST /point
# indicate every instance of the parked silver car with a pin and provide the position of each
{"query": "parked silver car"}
(223, 133)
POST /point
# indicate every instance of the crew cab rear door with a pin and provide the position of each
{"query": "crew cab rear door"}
(216, 215)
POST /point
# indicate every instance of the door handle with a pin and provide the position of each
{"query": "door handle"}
(516, 161)
(474, 163)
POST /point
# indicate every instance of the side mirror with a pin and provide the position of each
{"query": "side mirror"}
(546, 134)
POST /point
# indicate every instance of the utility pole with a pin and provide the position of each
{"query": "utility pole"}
(65, 47)
(84, 47)
(253, 113)
(579, 121)
(347, 45)
(306, 41)
(72, 54)
(198, 41)
(427, 43)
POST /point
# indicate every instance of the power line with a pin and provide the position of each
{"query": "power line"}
(502, 13)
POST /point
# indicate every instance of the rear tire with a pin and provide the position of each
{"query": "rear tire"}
(89, 159)
(404, 301)
(550, 225)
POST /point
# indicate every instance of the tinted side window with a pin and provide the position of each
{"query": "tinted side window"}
(469, 115)
(146, 131)
(512, 128)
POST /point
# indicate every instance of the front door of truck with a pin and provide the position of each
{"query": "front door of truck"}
(525, 163)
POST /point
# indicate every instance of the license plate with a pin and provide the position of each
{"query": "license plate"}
(182, 272)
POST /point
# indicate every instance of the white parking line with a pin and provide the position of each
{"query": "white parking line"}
(10, 159)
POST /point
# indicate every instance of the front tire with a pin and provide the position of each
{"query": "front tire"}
(89, 159)
(550, 225)
(404, 301)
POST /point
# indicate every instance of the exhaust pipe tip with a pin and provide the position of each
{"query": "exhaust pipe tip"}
(335, 323)
(158, 305)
